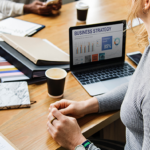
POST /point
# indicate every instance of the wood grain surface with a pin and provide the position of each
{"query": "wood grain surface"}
(26, 128)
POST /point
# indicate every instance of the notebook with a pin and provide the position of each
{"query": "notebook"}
(40, 52)
(97, 56)
(19, 27)
(23, 64)
(8, 72)
(14, 95)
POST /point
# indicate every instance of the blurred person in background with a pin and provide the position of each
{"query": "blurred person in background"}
(11, 8)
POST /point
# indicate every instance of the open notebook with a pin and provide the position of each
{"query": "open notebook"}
(39, 51)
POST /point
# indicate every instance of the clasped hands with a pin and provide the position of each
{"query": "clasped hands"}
(65, 129)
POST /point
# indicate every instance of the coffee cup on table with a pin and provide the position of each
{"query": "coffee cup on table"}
(56, 82)
(82, 10)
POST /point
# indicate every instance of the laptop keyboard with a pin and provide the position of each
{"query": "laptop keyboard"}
(97, 75)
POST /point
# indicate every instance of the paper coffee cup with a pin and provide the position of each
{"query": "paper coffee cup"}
(56, 82)
(82, 10)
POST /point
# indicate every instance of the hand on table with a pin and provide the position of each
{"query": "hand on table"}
(64, 130)
(76, 109)
(41, 8)
(68, 107)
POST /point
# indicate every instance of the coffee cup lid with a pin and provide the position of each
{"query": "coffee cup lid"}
(49, 71)
(82, 6)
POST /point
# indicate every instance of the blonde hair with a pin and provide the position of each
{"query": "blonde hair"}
(141, 35)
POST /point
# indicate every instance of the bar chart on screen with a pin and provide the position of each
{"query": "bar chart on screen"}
(88, 46)
(81, 46)
(85, 47)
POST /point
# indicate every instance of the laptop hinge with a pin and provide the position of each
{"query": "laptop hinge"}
(96, 67)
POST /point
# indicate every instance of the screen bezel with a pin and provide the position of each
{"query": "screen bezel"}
(102, 62)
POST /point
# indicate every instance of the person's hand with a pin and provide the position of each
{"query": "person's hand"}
(57, 6)
(64, 130)
(70, 108)
(40, 8)
(76, 109)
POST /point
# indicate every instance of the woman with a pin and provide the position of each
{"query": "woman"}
(133, 98)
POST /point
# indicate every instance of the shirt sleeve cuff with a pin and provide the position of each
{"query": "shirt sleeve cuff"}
(18, 8)
(93, 147)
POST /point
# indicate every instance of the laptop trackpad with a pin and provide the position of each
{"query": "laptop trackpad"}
(111, 84)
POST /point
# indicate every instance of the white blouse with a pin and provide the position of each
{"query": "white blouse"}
(12, 7)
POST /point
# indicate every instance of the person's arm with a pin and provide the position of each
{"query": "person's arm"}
(66, 131)
(8, 9)
(113, 99)
(68, 127)
(102, 103)
(76, 109)
(41, 8)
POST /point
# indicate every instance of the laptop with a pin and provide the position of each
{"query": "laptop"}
(97, 56)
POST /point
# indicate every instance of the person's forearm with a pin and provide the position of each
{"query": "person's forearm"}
(91, 106)
(112, 100)
(8, 9)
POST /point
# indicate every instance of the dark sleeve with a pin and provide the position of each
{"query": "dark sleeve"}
(113, 99)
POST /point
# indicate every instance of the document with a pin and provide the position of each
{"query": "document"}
(5, 144)
(18, 27)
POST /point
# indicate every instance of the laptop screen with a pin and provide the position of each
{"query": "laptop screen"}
(97, 43)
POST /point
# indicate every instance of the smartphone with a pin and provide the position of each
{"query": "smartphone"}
(135, 57)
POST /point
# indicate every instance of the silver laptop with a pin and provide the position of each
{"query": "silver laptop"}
(97, 56)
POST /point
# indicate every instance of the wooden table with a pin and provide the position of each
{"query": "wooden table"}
(26, 128)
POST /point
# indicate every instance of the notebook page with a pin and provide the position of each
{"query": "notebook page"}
(4, 145)
(17, 27)
(45, 40)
